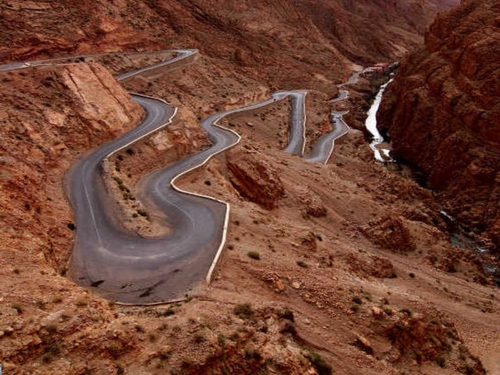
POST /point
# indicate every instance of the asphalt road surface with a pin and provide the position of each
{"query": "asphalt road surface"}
(322, 149)
(296, 138)
(124, 267)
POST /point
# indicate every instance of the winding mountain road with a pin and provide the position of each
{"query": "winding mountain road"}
(129, 269)
(322, 149)
(182, 55)
(297, 137)
(123, 267)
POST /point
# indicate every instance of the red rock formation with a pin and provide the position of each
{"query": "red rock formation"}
(48, 117)
(313, 33)
(391, 233)
(376, 267)
(442, 113)
(255, 179)
(431, 340)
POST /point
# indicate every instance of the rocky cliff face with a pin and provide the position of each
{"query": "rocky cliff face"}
(317, 35)
(48, 117)
(442, 113)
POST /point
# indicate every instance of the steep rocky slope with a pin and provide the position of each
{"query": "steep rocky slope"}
(346, 260)
(401, 22)
(317, 34)
(442, 113)
(48, 117)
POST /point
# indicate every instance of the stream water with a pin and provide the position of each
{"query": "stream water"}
(381, 154)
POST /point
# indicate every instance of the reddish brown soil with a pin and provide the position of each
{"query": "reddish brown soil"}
(347, 259)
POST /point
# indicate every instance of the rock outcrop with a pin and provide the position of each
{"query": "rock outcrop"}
(442, 113)
(255, 179)
(313, 205)
(427, 339)
(48, 117)
(391, 233)
(375, 266)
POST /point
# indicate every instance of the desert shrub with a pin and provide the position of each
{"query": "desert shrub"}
(199, 338)
(441, 362)
(253, 354)
(50, 351)
(302, 264)
(319, 363)
(357, 300)
(287, 314)
(254, 255)
(244, 311)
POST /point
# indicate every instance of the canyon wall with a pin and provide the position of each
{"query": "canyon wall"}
(317, 35)
(442, 113)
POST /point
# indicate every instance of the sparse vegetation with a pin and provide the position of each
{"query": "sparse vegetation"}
(139, 328)
(321, 366)
(115, 349)
(254, 255)
(51, 328)
(81, 303)
(357, 300)
(51, 350)
(57, 299)
(119, 369)
(221, 340)
(167, 312)
(441, 362)
(253, 354)
(302, 264)
(244, 311)
(164, 356)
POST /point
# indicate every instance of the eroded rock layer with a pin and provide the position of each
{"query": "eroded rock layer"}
(49, 117)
